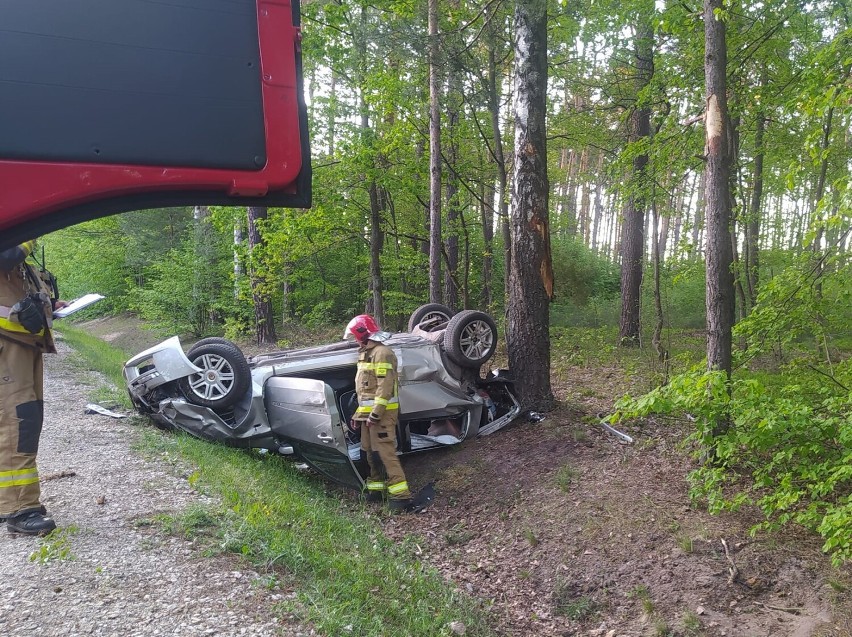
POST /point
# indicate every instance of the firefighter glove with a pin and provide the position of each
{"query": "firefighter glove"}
(30, 313)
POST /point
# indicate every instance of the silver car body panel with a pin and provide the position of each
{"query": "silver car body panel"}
(157, 366)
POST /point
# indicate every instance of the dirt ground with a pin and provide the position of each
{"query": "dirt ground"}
(561, 529)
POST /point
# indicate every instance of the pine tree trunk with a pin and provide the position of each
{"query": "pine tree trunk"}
(531, 283)
(596, 234)
(656, 257)
(487, 216)
(264, 317)
(633, 230)
(585, 217)
(752, 250)
(434, 157)
(698, 224)
(500, 160)
(451, 291)
(376, 242)
(719, 257)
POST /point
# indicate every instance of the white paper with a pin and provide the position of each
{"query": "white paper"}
(77, 304)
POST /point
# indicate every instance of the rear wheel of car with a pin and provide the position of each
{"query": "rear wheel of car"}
(434, 313)
(471, 338)
(225, 375)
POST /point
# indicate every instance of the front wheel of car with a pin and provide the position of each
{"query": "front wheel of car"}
(432, 315)
(225, 375)
(471, 338)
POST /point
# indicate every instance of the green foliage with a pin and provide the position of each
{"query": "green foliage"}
(90, 257)
(183, 291)
(793, 439)
(55, 546)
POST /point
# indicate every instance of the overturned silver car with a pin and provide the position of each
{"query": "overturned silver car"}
(299, 401)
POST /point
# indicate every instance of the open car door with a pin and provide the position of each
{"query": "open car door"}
(303, 412)
(115, 105)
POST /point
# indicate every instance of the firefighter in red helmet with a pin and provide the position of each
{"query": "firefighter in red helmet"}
(378, 412)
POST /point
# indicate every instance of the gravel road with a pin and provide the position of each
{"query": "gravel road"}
(118, 578)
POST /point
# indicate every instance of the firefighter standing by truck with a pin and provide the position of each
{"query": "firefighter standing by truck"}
(26, 310)
(377, 414)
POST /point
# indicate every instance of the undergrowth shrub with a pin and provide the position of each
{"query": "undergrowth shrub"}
(790, 420)
(794, 441)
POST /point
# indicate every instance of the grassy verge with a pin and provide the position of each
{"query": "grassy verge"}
(348, 577)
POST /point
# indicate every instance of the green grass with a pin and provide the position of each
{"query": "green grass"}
(95, 354)
(565, 476)
(349, 577)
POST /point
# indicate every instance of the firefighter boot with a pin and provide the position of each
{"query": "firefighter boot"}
(399, 505)
(30, 522)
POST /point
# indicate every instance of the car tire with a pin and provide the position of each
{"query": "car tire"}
(428, 311)
(470, 338)
(226, 376)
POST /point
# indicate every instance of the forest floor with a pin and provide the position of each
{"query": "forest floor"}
(562, 529)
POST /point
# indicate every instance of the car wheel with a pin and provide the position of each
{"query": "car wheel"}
(436, 312)
(225, 378)
(471, 338)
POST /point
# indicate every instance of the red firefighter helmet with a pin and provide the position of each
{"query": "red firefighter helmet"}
(361, 328)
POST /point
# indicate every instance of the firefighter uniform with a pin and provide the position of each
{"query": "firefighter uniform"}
(21, 382)
(378, 413)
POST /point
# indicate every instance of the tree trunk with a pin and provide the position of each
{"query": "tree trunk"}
(531, 285)
(656, 256)
(451, 291)
(585, 217)
(633, 230)
(719, 256)
(698, 223)
(487, 216)
(376, 241)
(238, 265)
(264, 318)
(332, 113)
(599, 178)
(662, 233)
(752, 226)
(499, 158)
(434, 157)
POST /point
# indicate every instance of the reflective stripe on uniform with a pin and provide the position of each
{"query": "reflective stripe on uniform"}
(373, 485)
(366, 409)
(381, 369)
(399, 487)
(369, 402)
(13, 326)
(18, 477)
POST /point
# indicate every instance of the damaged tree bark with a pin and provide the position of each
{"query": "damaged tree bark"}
(531, 278)
(719, 252)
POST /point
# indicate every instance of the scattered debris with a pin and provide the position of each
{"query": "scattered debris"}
(733, 571)
(616, 432)
(101, 500)
(59, 474)
(92, 408)
(535, 416)
(794, 611)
